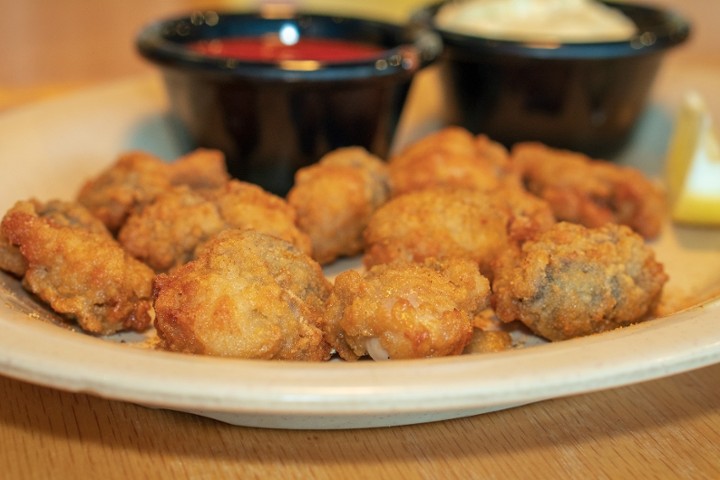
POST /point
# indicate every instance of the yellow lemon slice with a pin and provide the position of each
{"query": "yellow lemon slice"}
(693, 165)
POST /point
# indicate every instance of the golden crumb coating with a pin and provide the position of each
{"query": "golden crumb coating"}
(137, 177)
(247, 295)
(590, 192)
(200, 169)
(57, 212)
(166, 232)
(247, 206)
(405, 310)
(450, 157)
(437, 223)
(528, 215)
(335, 198)
(573, 281)
(82, 274)
(492, 152)
(488, 342)
(11, 260)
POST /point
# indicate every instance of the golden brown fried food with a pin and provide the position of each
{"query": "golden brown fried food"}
(528, 215)
(444, 222)
(247, 295)
(82, 274)
(58, 212)
(405, 310)
(590, 192)
(200, 169)
(490, 334)
(451, 157)
(573, 281)
(136, 178)
(133, 180)
(11, 260)
(247, 206)
(494, 153)
(436, 223)
(335, 198)
(488, 342)
(166, 232)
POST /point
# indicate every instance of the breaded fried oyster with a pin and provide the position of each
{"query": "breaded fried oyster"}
(451, 157)
(445, 222)
(247, 295)
(245, 206)
(82, 274)
(436, 223)
(405, 310)
(200, 169)
(528, 214)
(167, 231)
(590, 192)
(335, 198)
(57, 212)
(573, 281)
(137, 177)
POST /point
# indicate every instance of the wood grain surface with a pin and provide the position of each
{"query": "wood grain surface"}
(667, 428)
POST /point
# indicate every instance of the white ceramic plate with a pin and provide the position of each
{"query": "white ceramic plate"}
(48, 149)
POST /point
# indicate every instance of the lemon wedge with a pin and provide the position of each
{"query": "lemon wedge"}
(693, 165)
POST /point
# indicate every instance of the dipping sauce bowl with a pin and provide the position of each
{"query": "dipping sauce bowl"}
(276, 90)
(581, 96)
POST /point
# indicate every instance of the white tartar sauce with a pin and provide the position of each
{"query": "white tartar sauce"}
(583, 21)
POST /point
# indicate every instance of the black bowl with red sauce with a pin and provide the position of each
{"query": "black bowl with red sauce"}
(276, 92)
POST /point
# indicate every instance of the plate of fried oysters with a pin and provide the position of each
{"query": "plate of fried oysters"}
(455, 277)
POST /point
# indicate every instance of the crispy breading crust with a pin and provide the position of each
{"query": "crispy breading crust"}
(450, 157)
(573, 281)
(240, 271)
(590, 192)
(82, 274)
(58, 212)
(168, 230)
(244, 205)
(136, 178)
(405, 310)
(247, 295)
(335, 198)
(452, 222)
(436, 223)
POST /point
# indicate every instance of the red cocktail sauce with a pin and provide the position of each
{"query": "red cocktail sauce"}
(270, 49)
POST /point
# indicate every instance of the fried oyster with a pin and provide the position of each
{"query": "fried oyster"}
(450, 157)
(136, 178)
(454, 222)
(590, 192)
(79, 272)
(166, 232)
(573, 281)
(247, 295)
(405, 310)
(335, 198)
(57, 212)
(246, 206)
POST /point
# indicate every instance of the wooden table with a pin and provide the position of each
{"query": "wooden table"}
(668, 428)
